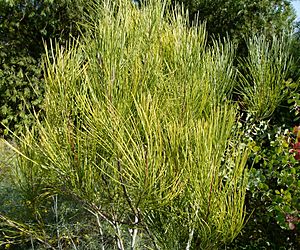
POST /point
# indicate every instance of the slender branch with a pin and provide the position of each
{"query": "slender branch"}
(130, 203)
(114, 223)
(118, 236)
(135, 232)
(101, 232)
(151, 236)
(55, 208)
(191, 235)
(128, 199)
(97, 212)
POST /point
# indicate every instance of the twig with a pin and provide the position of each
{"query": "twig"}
(101, 232)
(191, 235)
(134, 210)
(55, 208)
(129, 200)
(151, 236)
(135, 232)
(118, 236)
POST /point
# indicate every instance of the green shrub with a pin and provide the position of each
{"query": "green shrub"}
(263, 74)
(21, 92)
(273, 189)
(138, 145)
(138, 129)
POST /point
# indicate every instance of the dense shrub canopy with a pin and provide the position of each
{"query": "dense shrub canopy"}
(26, 24)
(139, 128)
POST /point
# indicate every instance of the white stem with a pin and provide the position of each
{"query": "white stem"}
(55, 208)
(101, 231)
(118, 235)
(191, 235)
(32, 245)
(134, 234)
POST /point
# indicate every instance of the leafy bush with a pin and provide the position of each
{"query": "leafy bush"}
(24, 27)
(240, 19)
(138, 145)
(273, 191)
(21, 92)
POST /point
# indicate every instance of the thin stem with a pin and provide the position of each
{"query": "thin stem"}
(151, 236)
(135, 232)
(118, 236)
(191, 235)
(55, 208)
(134, 210)
(101, 231)
(31, 241)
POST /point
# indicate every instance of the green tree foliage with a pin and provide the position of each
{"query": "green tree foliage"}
(24, 26)
(242, 18)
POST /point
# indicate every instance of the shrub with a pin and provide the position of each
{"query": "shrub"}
(263, 75)
(273, 190)
(138, 129)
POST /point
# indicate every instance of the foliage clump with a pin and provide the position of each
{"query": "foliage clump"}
(139, 129)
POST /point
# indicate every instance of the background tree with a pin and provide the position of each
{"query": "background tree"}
(242, 18)
(24, 26)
